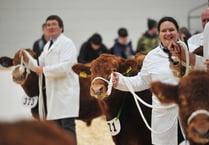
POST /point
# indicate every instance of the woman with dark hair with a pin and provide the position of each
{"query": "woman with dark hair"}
(156, 68)
(91, 49)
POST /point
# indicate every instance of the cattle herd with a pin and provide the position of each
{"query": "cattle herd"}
(123, 119)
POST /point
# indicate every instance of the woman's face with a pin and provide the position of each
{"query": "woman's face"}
(168, 33)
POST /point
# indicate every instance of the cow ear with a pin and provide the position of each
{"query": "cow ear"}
(6, 61)
(129, 67)
(166, 93)
(83, 70)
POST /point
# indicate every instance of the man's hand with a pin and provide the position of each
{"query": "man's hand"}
(39, 70)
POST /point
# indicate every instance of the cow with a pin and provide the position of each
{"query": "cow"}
(89, 106)
(123, 118)
(32, 132)
(191, 95)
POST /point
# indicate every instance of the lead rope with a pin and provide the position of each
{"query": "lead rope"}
(183, 45)
(136, 97)
(22, 67)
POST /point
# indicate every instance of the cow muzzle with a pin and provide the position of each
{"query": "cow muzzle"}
(100, 90)
(198, 127)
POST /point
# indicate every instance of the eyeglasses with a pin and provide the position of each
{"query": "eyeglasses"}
(52, 24)
(205, 20)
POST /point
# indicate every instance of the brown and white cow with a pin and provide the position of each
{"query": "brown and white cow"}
(89, 106)
(28, 132)
(123, 118)
(192, 97)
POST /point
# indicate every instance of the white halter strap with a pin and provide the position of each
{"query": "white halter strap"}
(22, 67)
(183, 45)
(109, 90)
(197, 112)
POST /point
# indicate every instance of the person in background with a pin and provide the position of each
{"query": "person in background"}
(122, 46)
(156, 67)
(149, 39)
(196, 40)
(91, 49)
(184, 35)
(38, 45)
(61, 83)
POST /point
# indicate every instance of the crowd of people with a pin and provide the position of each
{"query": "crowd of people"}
(57, 53)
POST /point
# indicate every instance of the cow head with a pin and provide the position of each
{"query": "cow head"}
(192, 97)
(104, 66)
(20, 71)
(20, 74)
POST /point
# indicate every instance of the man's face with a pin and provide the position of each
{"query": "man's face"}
(53, 28)
(95, 46)
(205, 17)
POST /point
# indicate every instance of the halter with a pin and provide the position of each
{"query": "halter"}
(22, 67)
(197, 112)
(109, 90)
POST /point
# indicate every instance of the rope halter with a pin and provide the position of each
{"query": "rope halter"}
(110, 84)
(197, 112)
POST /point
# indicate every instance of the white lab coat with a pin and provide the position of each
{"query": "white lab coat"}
(156, 68)
(195, 41)
(62, 84)
(200, 61)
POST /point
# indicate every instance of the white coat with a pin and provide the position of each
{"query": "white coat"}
(156, 68)
(62, 84)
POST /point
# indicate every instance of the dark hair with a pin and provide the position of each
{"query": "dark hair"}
(170, 19)
(122, 32)
(151, 23)
(96, 39)
(58, 19)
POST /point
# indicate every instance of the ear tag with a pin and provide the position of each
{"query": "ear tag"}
(128, 70)
(83, 74)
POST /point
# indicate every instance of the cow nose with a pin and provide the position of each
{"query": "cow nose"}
(97, 90)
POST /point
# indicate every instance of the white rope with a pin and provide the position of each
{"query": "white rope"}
(197, 112)
(22, 67)
(109, 90)
(136, 97)
(183, 45)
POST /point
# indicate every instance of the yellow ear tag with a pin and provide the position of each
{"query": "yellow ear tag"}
(83, 74)
(128, 70)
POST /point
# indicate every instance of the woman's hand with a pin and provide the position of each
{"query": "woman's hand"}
(176, 50)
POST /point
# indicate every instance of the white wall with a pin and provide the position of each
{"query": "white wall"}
(20, 20)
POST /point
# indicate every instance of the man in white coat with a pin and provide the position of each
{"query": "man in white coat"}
(196, 40)
(61, 83)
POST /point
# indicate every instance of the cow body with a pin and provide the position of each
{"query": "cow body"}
(192, 97)
(89, 106)
(33, 133)
(120, 105)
